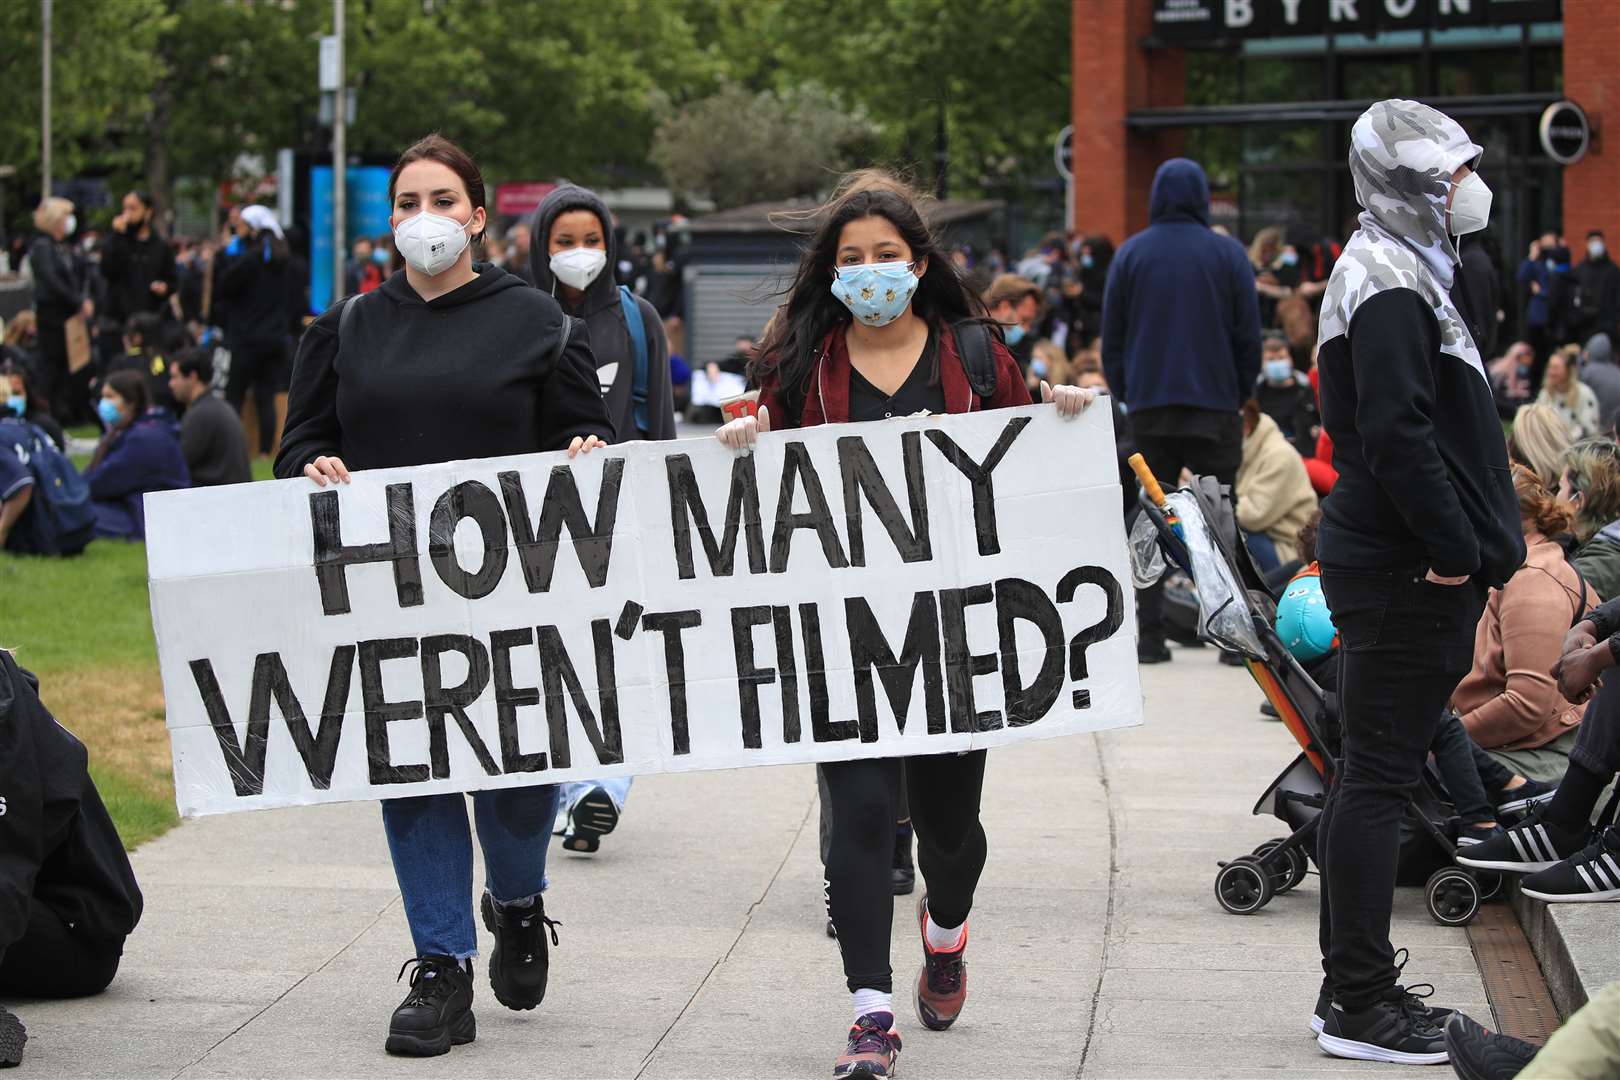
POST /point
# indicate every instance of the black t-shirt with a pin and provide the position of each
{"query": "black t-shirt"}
(921, 392)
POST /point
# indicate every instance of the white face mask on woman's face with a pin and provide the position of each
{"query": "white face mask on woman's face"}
(577, 267)
(430, 243)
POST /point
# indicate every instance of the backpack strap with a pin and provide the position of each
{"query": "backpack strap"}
(978, 357)
(346, 316)
(638, 337)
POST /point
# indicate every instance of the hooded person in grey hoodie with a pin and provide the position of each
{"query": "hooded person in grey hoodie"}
(1599, 371)
(572, 256)
(594, 296)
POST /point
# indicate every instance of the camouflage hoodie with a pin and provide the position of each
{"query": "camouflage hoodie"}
(1402, 157)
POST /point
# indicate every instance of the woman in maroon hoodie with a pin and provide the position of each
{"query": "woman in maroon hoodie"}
(878, 325)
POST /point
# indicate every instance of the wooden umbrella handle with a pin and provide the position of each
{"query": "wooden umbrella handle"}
(1150, 483)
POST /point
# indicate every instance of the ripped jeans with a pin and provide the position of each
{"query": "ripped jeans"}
(431, 846)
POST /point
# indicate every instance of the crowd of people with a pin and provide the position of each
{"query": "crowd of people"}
(1472, 609)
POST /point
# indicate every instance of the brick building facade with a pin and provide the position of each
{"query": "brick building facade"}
(1267, 108)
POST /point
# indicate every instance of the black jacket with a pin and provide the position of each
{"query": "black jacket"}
(1293, 406)
(490, 369)
(1423, 469)
(258, 285)
(57, 844)
(601, 309)
(1484, 284)
(1594, 297)
(130, 265)
(58, 280)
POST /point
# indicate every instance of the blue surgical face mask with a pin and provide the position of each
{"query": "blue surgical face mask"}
(1039, 368)
(1290, 258)
(875, 293)
(1014, 333)
(17, 404)
(1278, 371)
(109, 412)
(379, 256)
(1085, 262)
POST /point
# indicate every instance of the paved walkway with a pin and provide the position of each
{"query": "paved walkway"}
(693, 945)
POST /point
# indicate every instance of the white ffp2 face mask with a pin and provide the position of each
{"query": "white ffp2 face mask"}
(430, 243)
(1470, 205)
(577, 267)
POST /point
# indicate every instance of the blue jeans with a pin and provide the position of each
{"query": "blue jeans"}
(433, 862)
(618, 790)
(1263, 549)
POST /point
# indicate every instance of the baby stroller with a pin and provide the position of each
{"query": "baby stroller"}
(1196, 530)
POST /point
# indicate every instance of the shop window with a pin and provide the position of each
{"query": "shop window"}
(1468, 74)
(1212, 77)
(1374, 78)
(1277, 144)
(1547, 70)
(1271, 79)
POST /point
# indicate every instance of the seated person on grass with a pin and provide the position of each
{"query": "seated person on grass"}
(22, 400)
(68, 896)
(44, 504)
(139, 453)
(211, 435)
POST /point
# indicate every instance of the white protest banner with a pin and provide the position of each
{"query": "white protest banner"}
(915, 586)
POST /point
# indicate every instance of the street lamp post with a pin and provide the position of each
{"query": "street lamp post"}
(340, 160)
(45, 99)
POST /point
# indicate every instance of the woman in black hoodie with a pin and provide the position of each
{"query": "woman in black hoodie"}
(448, 361)
(570, 258)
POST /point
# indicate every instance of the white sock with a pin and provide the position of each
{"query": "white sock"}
(941, 938)
(872, 1001)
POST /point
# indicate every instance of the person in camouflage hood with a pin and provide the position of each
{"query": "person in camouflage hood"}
(1422, 522)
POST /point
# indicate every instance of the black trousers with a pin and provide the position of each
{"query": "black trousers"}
(1597, 740)
(51, 961)
(943, 790)
(1167, 455)
(1469, 772)
(257, 367)
(1406, 644)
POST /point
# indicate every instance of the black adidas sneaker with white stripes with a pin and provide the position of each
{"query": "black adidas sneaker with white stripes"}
(1533, 844)
(1591, 875)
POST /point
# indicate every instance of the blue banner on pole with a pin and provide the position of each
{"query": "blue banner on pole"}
(368, 216)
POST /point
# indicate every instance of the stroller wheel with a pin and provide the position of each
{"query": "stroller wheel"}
(1243, 886)
(1286, 870)
(1490, 884)
(1453, 896)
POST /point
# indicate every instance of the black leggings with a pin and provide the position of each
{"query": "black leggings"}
(51, 961)
(943, 790)
(257, 367)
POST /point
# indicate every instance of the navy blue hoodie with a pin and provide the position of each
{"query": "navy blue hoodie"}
(1181, 319)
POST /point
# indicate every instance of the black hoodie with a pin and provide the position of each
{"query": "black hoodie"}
(58, 845)
(489, 369)
(601, 309)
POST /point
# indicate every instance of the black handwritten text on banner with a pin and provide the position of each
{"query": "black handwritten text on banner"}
(923, 585)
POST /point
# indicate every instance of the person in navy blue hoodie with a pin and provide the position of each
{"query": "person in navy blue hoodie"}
(140, 453)
(1181, 347)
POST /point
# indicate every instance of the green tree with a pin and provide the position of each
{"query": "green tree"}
(103, 69)
(742, 146)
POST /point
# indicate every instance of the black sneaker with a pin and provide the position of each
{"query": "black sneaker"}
(1269, 711)
(1591, 875)
(437, 1013)
(592, 817)
(1152, 652)
(1414, 998)
(1389, 1031)
(519, 962)
(905, 870)
(12, 1037)
(1478, 1054)
(1522, 798)
(1533, 844)
(1473, 835)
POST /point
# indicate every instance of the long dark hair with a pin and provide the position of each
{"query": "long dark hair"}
(37, 404)
(131, 386)
(788, 351)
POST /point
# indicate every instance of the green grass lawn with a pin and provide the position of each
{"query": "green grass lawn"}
(84, 626)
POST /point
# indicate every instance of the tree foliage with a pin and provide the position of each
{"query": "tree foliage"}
(574, 88)
(739, 146)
